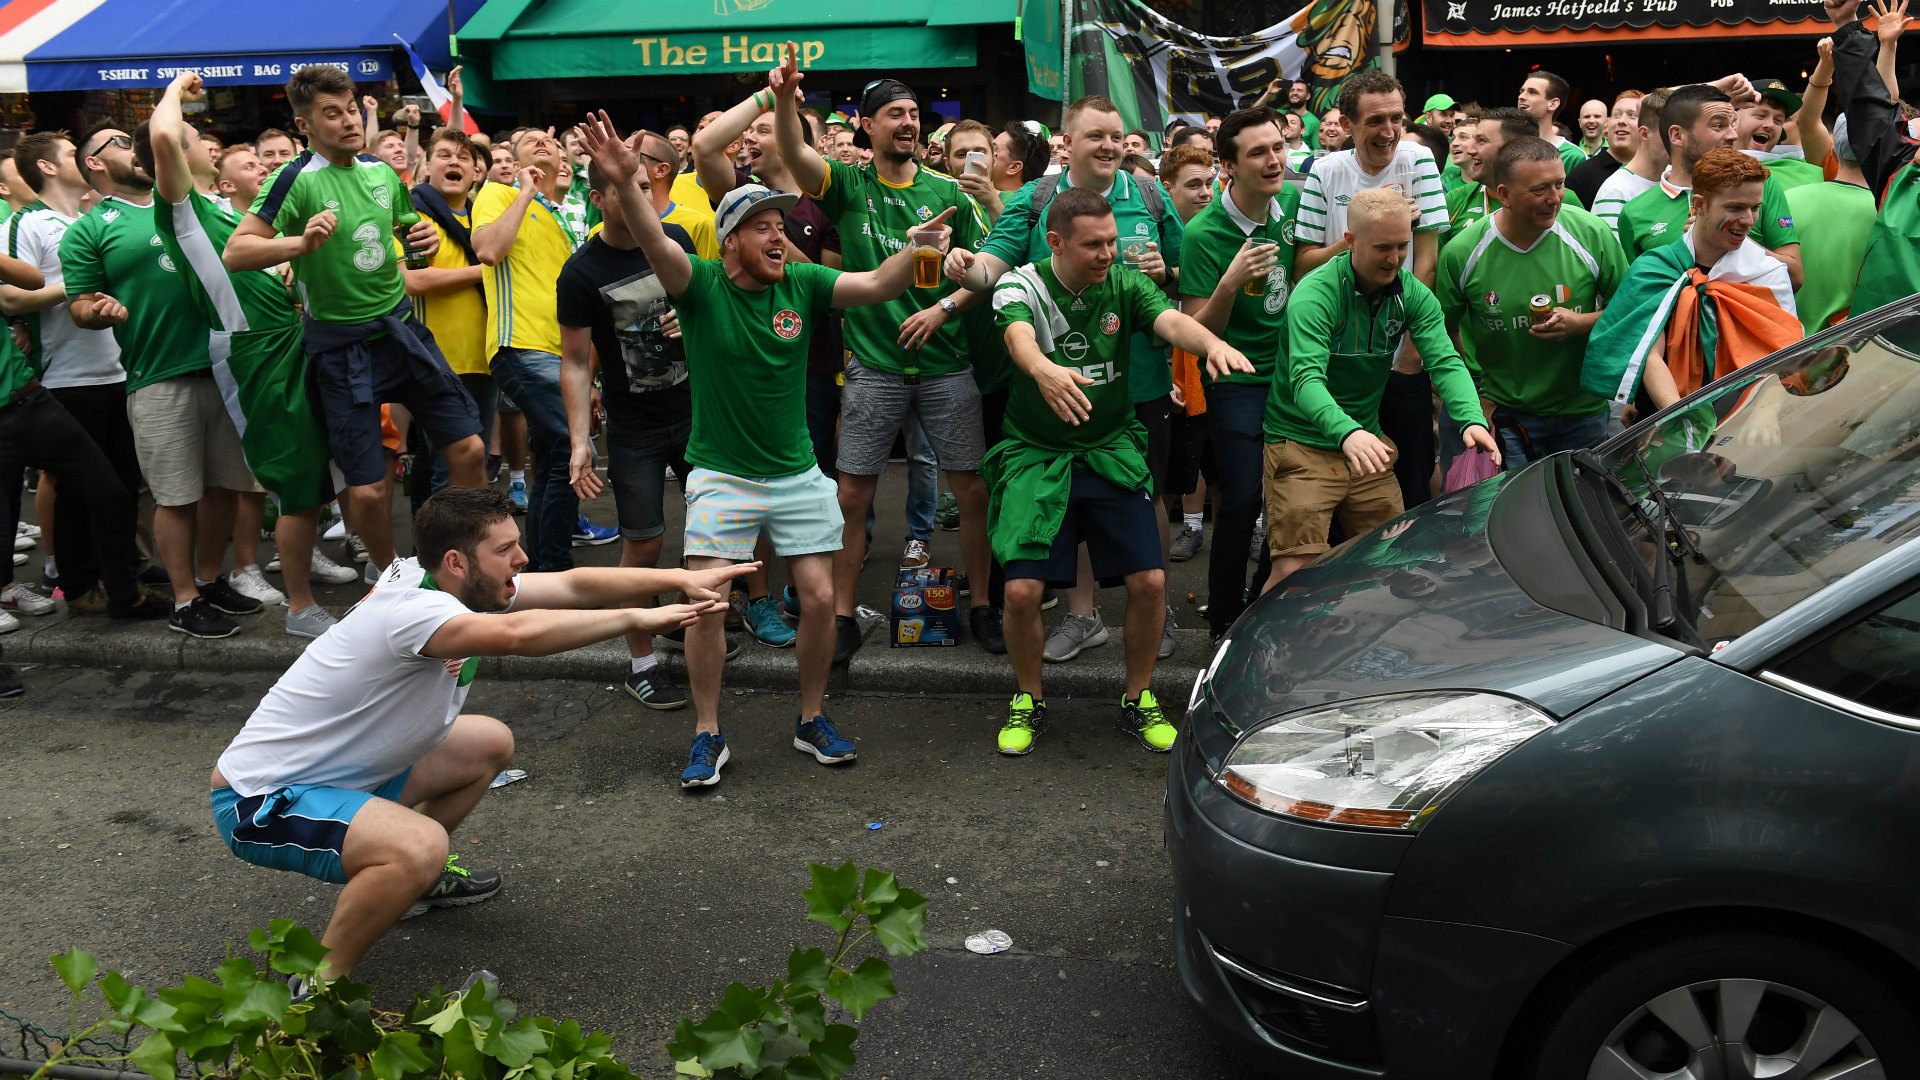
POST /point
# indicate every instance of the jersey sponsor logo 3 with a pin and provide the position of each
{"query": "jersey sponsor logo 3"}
(1276, 290)
(371, 254)
(786, 323)
(1110, 323)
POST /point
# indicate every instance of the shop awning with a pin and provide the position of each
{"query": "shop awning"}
(572, 39)
(121, 44)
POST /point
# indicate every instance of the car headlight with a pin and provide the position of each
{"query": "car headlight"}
(1385, 763)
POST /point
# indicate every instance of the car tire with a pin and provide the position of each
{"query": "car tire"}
(1631, 1006)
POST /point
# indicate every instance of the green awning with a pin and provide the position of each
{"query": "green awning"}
(573, 39)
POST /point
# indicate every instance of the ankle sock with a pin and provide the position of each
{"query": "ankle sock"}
(645, 663)
(517, 476)
(1193, 520)
(48, 569)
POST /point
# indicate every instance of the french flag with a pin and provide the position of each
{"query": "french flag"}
(442, 101)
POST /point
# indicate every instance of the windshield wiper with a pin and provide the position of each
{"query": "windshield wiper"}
(1664, 607)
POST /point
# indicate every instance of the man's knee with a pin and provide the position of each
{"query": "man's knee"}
(466, 451)
(1148, 585)
(1023, 595)
(488, 741)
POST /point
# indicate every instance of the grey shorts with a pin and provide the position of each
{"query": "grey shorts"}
(186, 441)
(875, 404)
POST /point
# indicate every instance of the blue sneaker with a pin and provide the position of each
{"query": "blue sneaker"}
(703, 764)
(818, 738)
(788, 606)
(764, 623)
(517, 491)
(587, 534)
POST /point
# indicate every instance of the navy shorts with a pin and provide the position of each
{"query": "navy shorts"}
(350, 396)
(1118, 527)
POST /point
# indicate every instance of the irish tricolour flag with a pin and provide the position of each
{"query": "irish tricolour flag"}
(442, 101)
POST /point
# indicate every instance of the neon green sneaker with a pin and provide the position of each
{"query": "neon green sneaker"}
(1144, 718)
(1026, 719)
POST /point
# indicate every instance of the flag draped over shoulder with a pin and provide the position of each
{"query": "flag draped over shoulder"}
(1713, 322)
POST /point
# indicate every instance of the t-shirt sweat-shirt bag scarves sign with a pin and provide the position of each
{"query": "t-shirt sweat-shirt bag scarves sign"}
(1157, 71)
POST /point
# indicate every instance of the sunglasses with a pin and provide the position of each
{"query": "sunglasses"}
(124, 142)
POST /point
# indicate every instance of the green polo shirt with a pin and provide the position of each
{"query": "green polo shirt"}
(1658, 216)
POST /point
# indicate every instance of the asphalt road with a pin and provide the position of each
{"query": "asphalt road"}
(629, 903)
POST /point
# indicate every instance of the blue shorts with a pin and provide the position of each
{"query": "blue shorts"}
(301, 829)
(801, 514)
(1118, 527)
(350, 395)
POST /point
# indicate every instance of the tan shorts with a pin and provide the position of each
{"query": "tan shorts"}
(185, 440)
(1305, 487)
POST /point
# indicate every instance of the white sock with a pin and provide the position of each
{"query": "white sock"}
(255, 567)
(1193, 520)
(180, 605)
(50, 570)
(517, 476)
(645, 663)
(201, 584)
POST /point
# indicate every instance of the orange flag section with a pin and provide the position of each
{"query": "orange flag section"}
(1752, 324)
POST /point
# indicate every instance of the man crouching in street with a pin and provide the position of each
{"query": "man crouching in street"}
(358, 763)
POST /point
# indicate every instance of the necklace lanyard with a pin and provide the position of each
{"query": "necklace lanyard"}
(471, 665)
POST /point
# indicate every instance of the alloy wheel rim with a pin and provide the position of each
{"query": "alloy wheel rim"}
(1736, 1029)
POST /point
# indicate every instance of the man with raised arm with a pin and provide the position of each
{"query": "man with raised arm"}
(744, 321)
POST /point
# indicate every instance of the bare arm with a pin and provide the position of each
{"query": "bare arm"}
(494, 240)
(601, 586)
(886, 281)
(1307, 259)
(543, 633)
(1426, 255)
(1212, 311)
(457, 114)
(1815, 141)
(20, 274)
(440, 280)
(256, 245)
(710, 161)
(1890, 21)
(1790, 254)
(576, 393)
(172, 178)
(622, 164)
(804, 163)
(1185, 332)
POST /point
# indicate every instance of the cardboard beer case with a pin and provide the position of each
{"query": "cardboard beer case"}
(926, 609)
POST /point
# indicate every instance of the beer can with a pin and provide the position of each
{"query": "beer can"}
(1540, 306)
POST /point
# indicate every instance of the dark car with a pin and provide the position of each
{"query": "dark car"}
(1606, 768)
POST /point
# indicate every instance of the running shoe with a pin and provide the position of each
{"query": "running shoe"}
(655, 689)
(1259, 543)
(677, 641)
(847, 638)
(915, 556)
(22, 599)
(229, 599)
(1026, 719)
(146, 606)
(252, 584)
(1074, 635)
(457, 887)
(1191, 540)
(517, 491)
(764, 623)
(817, 737)
(94, 602)
(154, 574)
(357, 548)
(946, 512)
(27, 528)
(309, 622)
(8, 623)
(370, 575)
(337, 527)
(199, 619)
(704, 761)
(587, 534)
(987, 631)
(10, 684)
(1167, 643)
(1144, 719)
(323, 569)
(788, 606)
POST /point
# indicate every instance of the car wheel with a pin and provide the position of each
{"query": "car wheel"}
(1728, 1007)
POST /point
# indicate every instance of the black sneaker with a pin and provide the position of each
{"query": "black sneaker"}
(457, 887)
(10, 685)
(677, 641)
(202, 620)
(847, 638)
(1049, 599)
(154, 574)
(655, 689)
(229, 599)
(147, 606)
(986, 630)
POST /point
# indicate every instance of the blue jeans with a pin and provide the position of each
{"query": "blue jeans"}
(1525, 437)
(923, 482)
(1234, 415)
(532, 379)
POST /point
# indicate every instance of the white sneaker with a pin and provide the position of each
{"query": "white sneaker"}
(330, 572)
(336, 531)
(8, 624)
(252, 584)
(27, 528)
(23, 542)
(915, 556)
(19, 558)
(22, 598)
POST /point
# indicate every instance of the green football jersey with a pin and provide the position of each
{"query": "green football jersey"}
(1092, 336)
(355, 276)
(115, 249)
(873, 217)
(1257, 325)
(1656, 217)
(747, 368)
(16, 369)
(1452, 179)
(194, 232)
(1838, 217)
(1486, 286)
(1468, 204)
(1019, 237)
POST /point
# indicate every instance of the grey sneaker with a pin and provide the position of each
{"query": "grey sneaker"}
(1166, 636)
(356, 547)
(309, 622)
(1075, 633)
(1187, 544)
(1259, 543)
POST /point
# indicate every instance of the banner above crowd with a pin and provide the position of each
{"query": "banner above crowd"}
(1473, 22)
(1158, 71)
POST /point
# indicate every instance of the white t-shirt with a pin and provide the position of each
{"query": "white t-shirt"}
(70, 356)
(1337, 178)
(361, 704)
(1619, 188)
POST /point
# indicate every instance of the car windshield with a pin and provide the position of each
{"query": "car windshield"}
(1783, 480)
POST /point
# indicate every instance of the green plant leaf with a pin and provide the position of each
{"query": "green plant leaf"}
(121, 998)
(517, 1045)
(462, 1054)
(834, 890)
(252, 1000)
(442, 1022)
(76, 967)
(901, 924)
(809, 1019)
(879, 889)
(863, 987)
(205, 1042)
(803, 1068)
(742, 1004)
(597, 1047)
(297, 951)
(691, 1067)
(397, 1055)
(833, 1052)
(155, 1056)
(542, 1069)
(356, 1033)
(685, 1045)
(725, 1044)
(781, 1048)
(808, 970)
(348, 1073)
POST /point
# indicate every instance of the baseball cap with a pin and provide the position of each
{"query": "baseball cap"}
(838, 119)
(1439, 101)
(1777, 90)
(1842, 145)
(881, 91)
(746, 200)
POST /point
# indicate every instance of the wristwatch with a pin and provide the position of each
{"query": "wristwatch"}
(947, 305)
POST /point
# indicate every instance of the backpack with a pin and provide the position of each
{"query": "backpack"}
(1045, 188)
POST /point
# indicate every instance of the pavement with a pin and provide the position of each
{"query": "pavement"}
(262, 645)
(629, 903)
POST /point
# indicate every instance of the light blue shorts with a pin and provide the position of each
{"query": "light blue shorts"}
(801, 514)
(301, 829)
